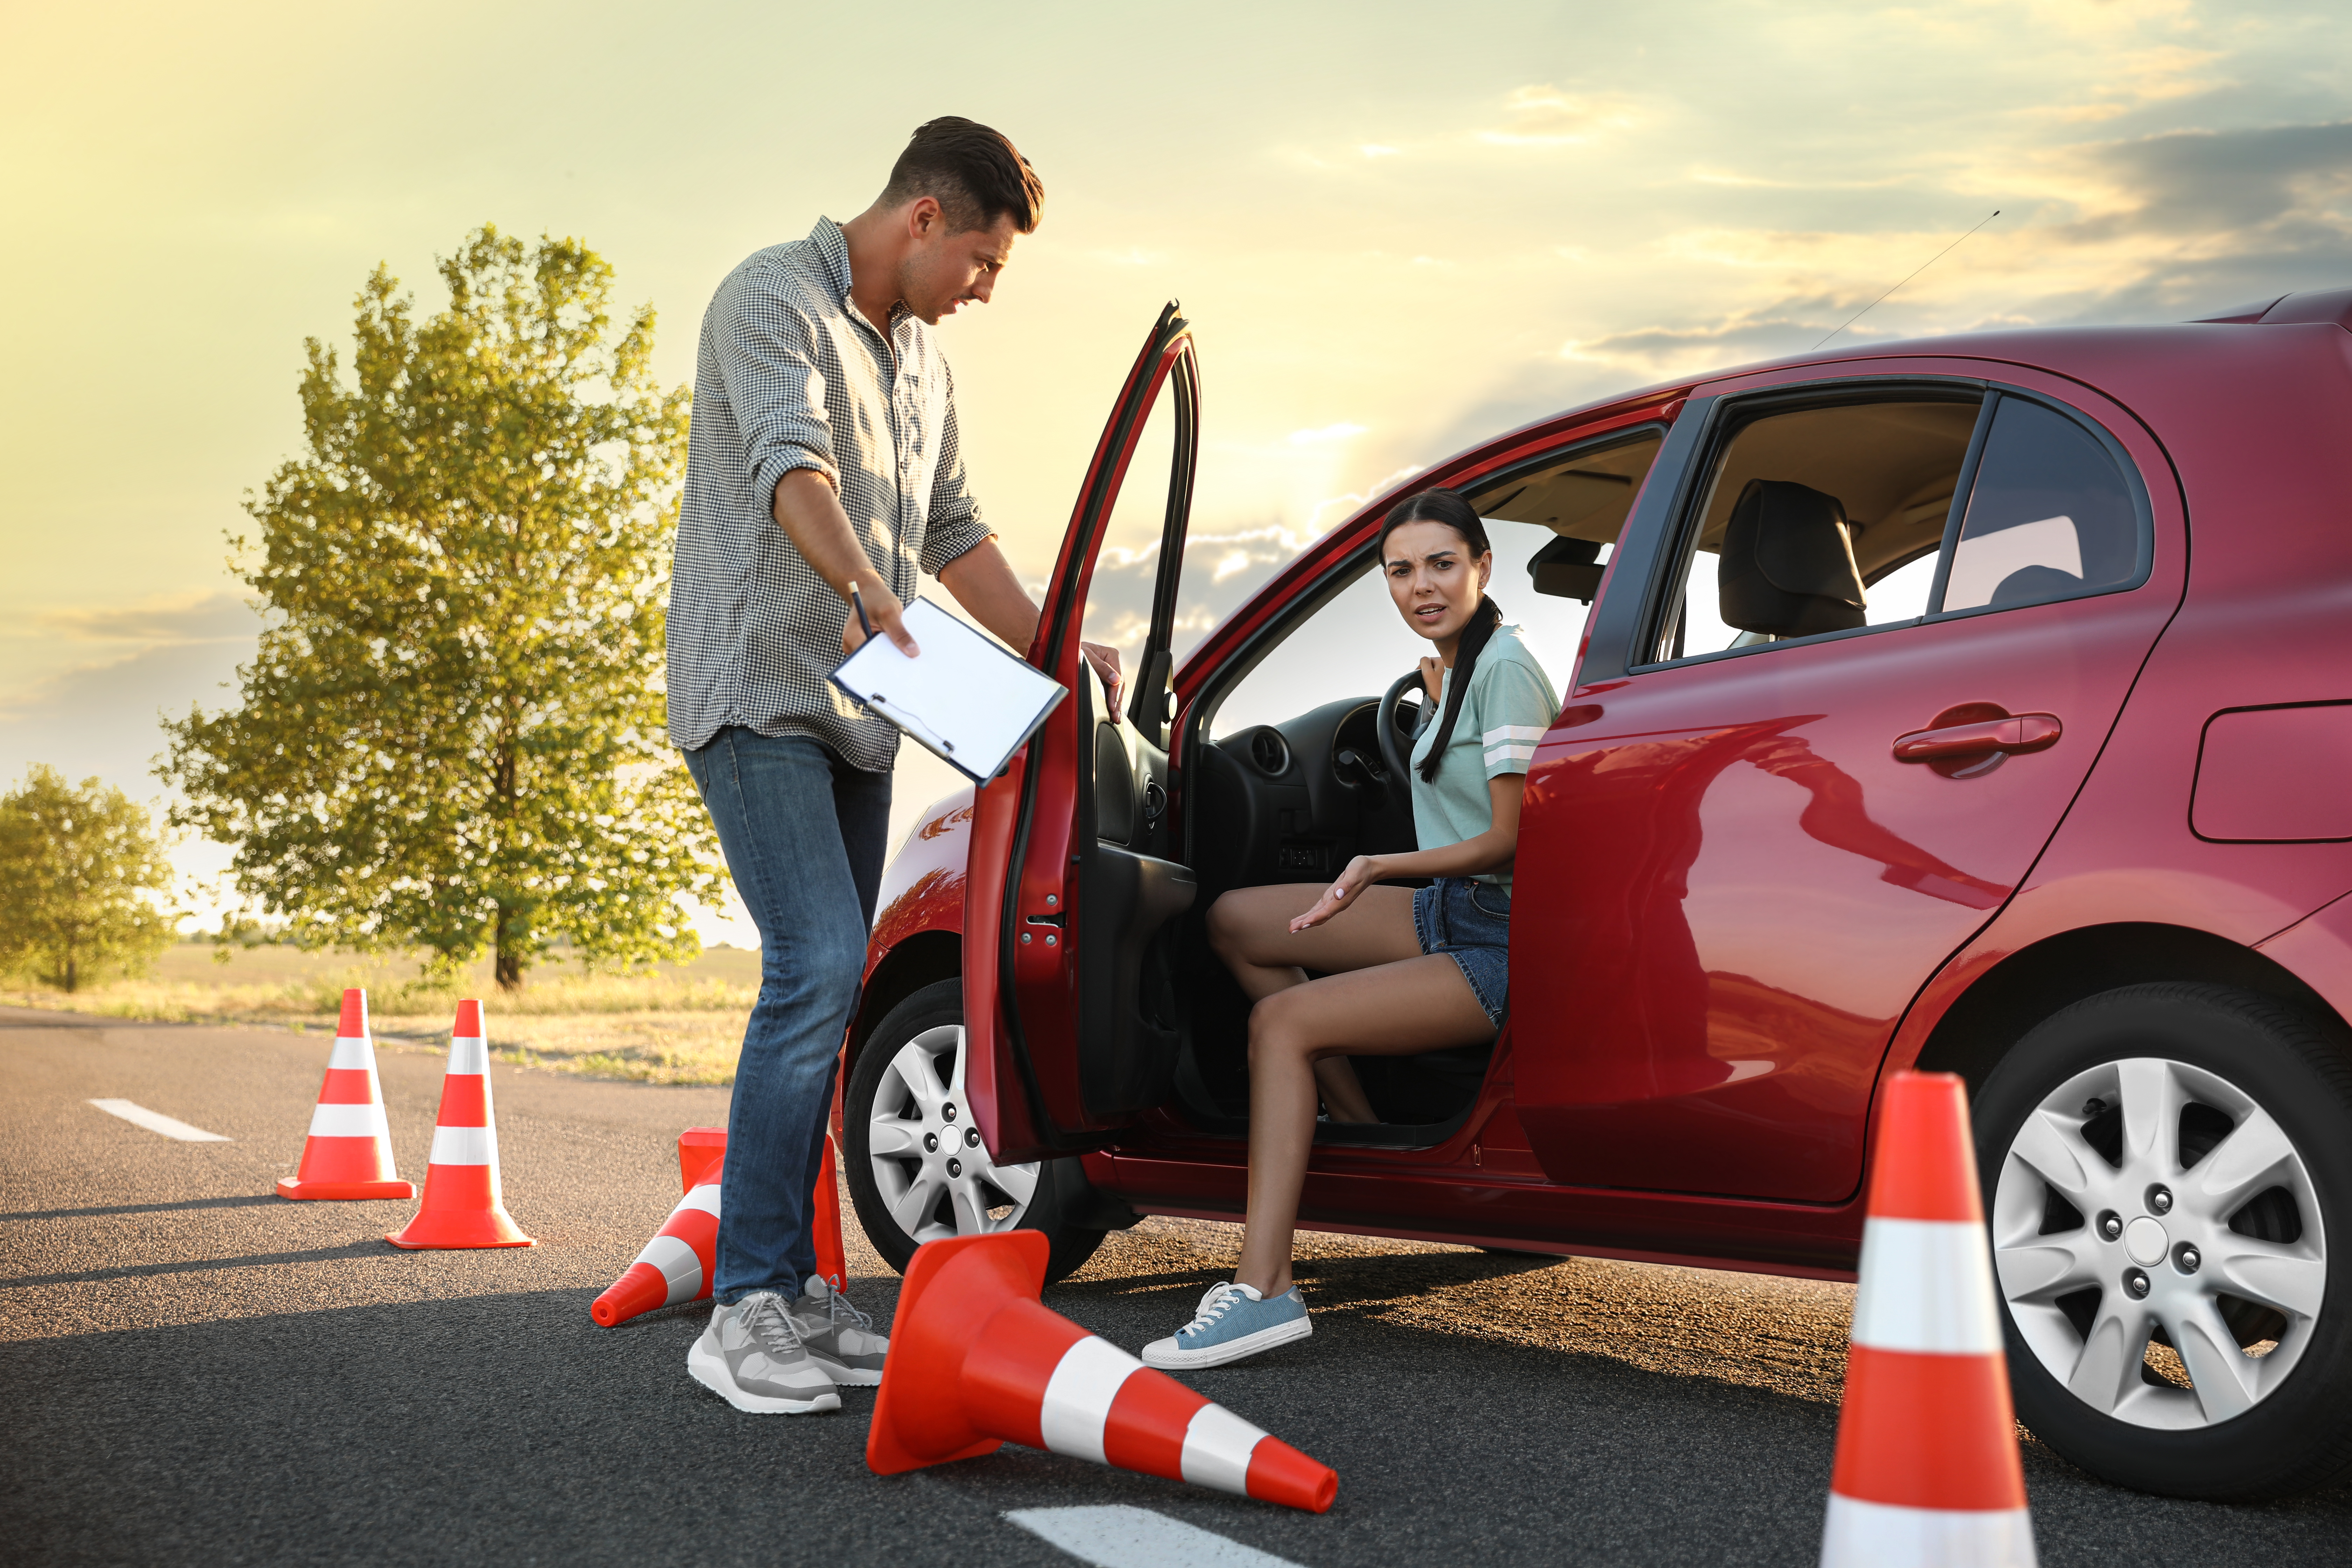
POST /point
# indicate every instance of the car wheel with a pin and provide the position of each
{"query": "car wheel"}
(2168, 1174)
(918, 1170)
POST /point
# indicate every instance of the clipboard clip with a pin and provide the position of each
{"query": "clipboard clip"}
(912, 725)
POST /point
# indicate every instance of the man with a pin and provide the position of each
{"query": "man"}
(823, 457)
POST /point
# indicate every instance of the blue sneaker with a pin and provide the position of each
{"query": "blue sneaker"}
(1234, 1322)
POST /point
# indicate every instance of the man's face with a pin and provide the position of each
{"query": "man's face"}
(944, 271)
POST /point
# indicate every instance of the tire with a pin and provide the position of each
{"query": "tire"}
(890, 1103)
(2167, 1174)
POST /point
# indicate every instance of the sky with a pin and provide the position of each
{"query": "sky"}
(1398, 231)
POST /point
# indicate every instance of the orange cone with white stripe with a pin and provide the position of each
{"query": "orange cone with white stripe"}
(349, 1151)
(976, 1361)
(676, 1265)
(702, 1154)
(1927, 1474)
(463, 1205)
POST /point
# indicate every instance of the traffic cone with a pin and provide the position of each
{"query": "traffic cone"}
(676, 1265)
(702, 1154)
(349, 1151)
(1927, 1474)
(463, 1206)
(976, 1360)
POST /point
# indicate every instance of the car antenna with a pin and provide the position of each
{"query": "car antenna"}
(1913, 273)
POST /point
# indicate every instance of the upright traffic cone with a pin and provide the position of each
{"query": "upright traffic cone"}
(976, 1360)
(702, 1154)
(463, 1206)
(1927, 1474)
(676, 1265)
(349, 1151)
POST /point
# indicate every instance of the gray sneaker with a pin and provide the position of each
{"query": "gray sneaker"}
(1234, 1321)
(752, 1357)
(840, 1338)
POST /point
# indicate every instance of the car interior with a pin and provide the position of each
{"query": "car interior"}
(1288, 783)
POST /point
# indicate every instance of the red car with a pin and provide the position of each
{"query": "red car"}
(1981, 704)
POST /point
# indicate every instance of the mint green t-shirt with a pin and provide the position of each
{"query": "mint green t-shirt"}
(1509, 707)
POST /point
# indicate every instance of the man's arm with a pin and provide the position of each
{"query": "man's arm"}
(811, 515)
(982, 582)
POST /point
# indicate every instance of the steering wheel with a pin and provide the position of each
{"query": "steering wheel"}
(1395, 728)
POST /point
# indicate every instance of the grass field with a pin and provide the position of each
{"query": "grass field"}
(677, 1023)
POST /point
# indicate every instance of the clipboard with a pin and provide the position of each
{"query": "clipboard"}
(966, 700)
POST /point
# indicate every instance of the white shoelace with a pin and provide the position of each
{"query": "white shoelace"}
(1214, 1306)
(763, 1317)
(837, 1308)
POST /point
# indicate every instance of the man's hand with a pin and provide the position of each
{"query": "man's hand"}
(882, 607)
(1105, 660)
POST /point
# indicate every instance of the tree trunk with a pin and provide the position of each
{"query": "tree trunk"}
(507, 966)
(72, 972)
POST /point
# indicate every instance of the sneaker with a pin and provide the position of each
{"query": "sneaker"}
(752, 1357)
(1234, 1321)
(840, 1339)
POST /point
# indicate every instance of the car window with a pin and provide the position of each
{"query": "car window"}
(2050, 515)
(1838, 518)
(1552, 527)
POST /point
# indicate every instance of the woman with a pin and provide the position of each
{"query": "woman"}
(1403, 971)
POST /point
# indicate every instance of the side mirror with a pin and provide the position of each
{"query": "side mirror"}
(1567, 568)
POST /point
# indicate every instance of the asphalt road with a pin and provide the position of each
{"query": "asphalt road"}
(193, 1370)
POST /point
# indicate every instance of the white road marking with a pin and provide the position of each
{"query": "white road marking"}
(1118, 1536)
(155, 1121)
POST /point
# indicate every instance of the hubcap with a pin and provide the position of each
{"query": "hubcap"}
(2176, 1322)
(935, 1174)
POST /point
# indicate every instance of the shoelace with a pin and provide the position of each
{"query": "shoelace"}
(764, 1318)
(1214, 1306)
(837, 1308)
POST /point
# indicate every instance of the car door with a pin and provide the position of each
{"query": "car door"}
(1740, 864)
(1067, 997)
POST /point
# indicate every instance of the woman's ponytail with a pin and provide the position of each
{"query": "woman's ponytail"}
(1482, 622)
(1449, 508)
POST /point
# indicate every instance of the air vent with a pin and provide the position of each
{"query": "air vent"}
(1270, 752)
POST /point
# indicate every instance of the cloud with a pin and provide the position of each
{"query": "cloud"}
(162, 620)
(1663, 350)
(1544, 116)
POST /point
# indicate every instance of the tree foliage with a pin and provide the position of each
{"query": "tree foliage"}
(79, 866)
(452, 735)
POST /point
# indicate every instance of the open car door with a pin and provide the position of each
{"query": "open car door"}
(1068, 1000)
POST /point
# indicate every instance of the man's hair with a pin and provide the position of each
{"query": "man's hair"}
(973, 173)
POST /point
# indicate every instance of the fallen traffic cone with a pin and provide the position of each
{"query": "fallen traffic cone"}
(702, 1154)
(1927, 1474)
(676, 1265)
(976, 1360)
(463, 1206)
(349, 1151)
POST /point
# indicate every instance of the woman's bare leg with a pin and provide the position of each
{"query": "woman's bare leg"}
(1250, 930)
(1417, 1004)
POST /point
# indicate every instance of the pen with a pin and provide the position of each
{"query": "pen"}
(857, 603)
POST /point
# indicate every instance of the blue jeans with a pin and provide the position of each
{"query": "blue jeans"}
(805, 835)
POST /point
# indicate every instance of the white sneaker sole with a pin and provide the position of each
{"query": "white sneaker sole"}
(847, 1376)
(710, 1371)
(1164, 1354)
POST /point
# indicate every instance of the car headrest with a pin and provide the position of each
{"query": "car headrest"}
(1787, 569)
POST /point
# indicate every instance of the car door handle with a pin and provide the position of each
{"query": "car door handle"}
(2017, 733)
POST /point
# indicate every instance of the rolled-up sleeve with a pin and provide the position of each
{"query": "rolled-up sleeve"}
(774, 388)
(951, 521)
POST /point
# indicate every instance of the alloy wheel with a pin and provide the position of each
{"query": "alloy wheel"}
(2159, 1241)
(930, 1167)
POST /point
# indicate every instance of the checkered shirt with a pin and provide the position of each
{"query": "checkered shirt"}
(790, 375)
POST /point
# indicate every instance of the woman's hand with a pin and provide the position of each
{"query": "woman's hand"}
(1361, 873)
(1432, 676)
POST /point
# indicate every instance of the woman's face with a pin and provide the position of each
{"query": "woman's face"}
(1434, 578)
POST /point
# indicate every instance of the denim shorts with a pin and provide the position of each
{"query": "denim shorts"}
(1469, 922)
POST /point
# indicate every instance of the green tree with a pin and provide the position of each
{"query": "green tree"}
(79, 866)
(452, 735)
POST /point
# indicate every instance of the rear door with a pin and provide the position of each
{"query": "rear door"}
(1071, 1029)
(1857, 660)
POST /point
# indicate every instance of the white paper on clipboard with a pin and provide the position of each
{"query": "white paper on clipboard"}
(965, 699)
